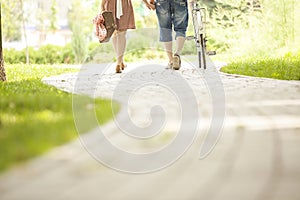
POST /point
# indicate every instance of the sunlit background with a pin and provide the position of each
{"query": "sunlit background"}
(257, 156)
(234, 27)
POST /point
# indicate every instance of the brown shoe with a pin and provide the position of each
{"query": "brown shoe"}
(118, 69)
(176, 62)
(123, 66)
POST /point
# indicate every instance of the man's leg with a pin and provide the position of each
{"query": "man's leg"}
(169, 50)
(180, 26)
(179, 44)
(163, 11)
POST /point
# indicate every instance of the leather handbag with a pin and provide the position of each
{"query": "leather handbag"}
(110, 25)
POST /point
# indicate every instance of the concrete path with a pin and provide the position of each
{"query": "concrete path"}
(257, 156)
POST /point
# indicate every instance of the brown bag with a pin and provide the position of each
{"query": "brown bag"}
(110, 25)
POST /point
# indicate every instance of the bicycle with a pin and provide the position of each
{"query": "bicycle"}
(199, 22)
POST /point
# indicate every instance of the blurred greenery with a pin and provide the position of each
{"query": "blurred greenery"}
(79, 19)
(264, 28)
(239, 28)
(48, 54)
(11, 15)
(35, 117)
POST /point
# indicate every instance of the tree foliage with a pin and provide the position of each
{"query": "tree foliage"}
(11, 16)
(53, 16)
(79, 18)
(82, 12)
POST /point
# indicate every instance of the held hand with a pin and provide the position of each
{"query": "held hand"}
(150, 5)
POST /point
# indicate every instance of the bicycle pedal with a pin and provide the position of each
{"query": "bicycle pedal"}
(190, 38)
(211, 53)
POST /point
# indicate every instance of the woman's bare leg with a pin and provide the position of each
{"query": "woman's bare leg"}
(119, 44)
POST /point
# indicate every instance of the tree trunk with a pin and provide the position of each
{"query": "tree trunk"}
(2, 70)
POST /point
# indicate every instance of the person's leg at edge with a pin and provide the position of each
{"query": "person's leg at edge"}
(119, 44)
(169, 51)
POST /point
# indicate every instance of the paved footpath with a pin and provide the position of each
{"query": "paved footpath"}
(257, 156)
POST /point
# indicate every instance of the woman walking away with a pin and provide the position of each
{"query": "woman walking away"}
(124, 18)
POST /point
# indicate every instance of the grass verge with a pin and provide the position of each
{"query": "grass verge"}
(35, 117)
(286, 67)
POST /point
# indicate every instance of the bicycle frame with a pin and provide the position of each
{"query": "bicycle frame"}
(199, 20)
(199, 25)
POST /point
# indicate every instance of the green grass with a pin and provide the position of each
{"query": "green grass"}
(286, 67)
(35, 117)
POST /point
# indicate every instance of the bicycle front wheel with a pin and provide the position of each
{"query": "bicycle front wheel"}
(201, 52)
